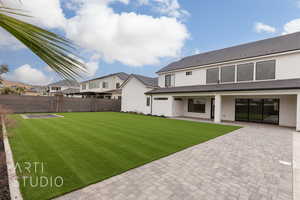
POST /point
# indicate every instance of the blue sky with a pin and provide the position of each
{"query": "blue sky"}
(165, 31)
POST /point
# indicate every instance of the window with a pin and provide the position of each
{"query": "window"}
(119, 97)
(245, 72)
(117, 85)
(104, 84)
(227, 74)
(196, 105)
(161, 98)
(265, 70)
(56, 88)
(212, 75)
(189, 73)
(94, 84)
(83, 86)
(168, 80)
(178, 99)
(148, 101)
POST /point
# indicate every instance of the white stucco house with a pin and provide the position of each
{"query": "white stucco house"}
(104, 87)
(64, 87)
(134, 98)
(253, 82)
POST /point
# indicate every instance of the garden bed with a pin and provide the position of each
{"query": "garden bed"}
(4, 188)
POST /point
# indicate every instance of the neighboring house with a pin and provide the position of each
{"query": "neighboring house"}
(62, 86)
(253, 82)
(104, 87)
(134, 98)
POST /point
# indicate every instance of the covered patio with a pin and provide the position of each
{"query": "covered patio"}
(270, 108)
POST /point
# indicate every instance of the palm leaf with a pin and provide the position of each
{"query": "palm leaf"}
(54, 50)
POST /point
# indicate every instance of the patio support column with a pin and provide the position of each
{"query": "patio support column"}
(298, 113)
(218, 108)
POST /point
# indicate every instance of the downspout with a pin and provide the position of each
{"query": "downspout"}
(151, 105)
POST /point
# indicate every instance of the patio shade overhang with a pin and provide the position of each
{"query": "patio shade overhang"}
(286, 84)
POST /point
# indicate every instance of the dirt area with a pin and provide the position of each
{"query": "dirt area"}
(4, 188)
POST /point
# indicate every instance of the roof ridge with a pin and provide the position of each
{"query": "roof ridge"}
(268, 46)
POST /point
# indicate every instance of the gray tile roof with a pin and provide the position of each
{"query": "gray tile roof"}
(122, 75)
(148, 81)
(70, 83)
(250, 86)
(279, 44)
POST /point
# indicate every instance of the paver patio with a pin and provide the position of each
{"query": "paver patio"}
(251, 163)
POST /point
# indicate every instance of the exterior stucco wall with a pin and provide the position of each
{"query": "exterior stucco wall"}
(134, 98)
(288, 107)
(228, 108)
(163, 107)
(287, 67)
(112, 81)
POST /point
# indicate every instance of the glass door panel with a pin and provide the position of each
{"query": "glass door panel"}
(271, 111)
(241, 109)
(255, 110)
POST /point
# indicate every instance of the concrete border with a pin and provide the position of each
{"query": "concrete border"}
(296, 165)
(14, 187)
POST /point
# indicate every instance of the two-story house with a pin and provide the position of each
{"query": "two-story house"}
(104, 87)
(62, 86)
(253, 82)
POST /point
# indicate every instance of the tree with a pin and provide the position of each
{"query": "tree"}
(20, 90)
(3, 69)
(53, 49)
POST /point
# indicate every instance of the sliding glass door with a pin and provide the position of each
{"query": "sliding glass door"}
(242, 110)
(257, 110)
(271, 111)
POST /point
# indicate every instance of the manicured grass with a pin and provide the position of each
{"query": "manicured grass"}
(85, 148)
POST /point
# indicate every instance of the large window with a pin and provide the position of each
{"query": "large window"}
(265, 70)
(212, 75)
(227, 74)
(196, 105)
(168, 80)
(94, 84)
(245, 72)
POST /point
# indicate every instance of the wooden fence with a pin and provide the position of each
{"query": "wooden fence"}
(38, 104)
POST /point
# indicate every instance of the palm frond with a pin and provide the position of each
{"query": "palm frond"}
(53, 49)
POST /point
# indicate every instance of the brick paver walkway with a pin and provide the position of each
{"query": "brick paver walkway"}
(252, 163)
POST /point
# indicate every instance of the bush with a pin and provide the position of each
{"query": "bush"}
(9, 122)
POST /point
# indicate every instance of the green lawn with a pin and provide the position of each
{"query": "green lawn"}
(85, 148)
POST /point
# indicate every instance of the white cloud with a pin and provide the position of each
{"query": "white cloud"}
(92, 68)
(171, 8)
(261, 27)
(143, 2)
(197, 51)
(29, 75)
(292, 26)
(129, 38)
(8, 41)
(44, 12)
